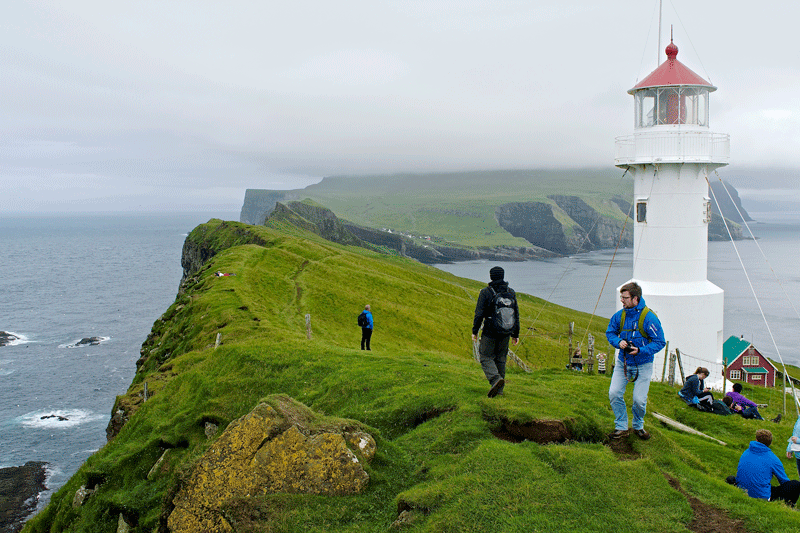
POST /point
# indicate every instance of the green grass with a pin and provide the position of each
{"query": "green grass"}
(419, 392)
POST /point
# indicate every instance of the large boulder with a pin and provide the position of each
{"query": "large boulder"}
(280, 446)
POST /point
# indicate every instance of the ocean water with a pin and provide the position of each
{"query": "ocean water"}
(65, 278)
(766, 279)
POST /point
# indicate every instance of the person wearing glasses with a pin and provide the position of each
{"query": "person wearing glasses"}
(636, 331)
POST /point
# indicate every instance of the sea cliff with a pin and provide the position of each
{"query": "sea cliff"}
(252, 409)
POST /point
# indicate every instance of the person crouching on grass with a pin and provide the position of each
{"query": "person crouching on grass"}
(756, 467)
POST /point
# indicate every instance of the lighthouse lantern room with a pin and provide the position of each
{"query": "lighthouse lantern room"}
(670, 155)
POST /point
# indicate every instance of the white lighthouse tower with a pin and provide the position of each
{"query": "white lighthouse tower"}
(669, 155)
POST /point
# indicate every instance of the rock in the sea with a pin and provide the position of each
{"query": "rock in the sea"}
(89, 341)
(19, 488)
(280, 446)
(7, 338)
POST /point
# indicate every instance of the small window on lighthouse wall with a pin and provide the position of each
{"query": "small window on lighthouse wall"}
(641, 212)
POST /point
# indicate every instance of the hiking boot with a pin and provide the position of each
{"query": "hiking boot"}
(642, 434)
(496, 388)
(618, 433)
(777, 418)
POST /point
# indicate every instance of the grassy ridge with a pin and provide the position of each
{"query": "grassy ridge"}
(460, 207)
(421, 393)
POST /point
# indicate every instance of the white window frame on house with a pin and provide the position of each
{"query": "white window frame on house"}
(735, 374)
(756, 377)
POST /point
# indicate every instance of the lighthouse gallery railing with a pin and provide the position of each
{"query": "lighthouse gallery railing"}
(673, 147)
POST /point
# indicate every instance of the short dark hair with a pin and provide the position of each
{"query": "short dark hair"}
(727, 400)
(737, 387)
(632, 288)
(764, 436)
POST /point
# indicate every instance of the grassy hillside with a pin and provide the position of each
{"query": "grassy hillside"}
(446, 454)
(460, 207)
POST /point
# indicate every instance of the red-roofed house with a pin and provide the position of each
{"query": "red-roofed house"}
(743, 362)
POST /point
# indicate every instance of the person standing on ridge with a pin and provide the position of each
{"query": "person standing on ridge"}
(367, 324)
(637, 332)
(497, 310)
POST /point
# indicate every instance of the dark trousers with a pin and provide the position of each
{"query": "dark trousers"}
(493, 354)
(788, 492)
(751, 412)
(366, 335)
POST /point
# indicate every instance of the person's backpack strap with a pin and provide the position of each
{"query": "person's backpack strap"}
(642, 315)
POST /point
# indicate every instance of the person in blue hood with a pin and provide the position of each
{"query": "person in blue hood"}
(756, 467)
(637, 332)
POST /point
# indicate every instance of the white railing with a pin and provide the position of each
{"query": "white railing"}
(673, 147)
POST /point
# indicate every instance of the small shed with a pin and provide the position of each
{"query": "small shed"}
(743, 362)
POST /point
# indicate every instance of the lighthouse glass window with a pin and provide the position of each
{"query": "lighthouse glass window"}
(671, 105)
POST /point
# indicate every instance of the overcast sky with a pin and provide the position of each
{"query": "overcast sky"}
(185, 104)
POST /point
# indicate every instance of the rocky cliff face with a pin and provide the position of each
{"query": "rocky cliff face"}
(19, 490)
(322, 221)
(197, 252)
(259, 203)
(602, 231)
(729, 205)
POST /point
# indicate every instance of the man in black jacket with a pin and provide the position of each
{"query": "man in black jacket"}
(493, 347)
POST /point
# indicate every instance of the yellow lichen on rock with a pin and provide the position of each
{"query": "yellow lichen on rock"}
(322, 464)
(268, 451)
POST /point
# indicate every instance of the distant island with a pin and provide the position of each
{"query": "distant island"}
(495, 215)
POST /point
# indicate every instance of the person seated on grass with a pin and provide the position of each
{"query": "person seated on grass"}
(748, 408)
(756, 467)
(737, 409)
(694, 391)
(794, 445)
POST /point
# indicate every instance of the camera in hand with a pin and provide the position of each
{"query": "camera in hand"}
(628, 349)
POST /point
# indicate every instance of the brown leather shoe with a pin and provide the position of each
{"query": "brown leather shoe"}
(642, 434)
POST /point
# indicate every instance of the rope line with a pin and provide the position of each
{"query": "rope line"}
(755, 296)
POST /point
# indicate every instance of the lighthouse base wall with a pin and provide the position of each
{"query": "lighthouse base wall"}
(691, 315)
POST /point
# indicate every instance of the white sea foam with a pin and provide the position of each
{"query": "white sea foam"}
(75, 344)
(20, 339)
(59, 418)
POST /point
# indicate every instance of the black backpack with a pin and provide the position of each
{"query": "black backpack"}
(362, 319)
(503, 305)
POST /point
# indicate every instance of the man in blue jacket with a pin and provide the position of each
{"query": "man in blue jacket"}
(756, 467)
(366, 329)
(637, 332)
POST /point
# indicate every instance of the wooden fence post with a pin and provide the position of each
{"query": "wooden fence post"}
(671, 370)
(571, 330)
(680, 365)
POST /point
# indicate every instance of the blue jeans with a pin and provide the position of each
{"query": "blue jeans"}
(616, 394)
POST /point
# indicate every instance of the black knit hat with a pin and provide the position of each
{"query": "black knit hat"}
(496, 273)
